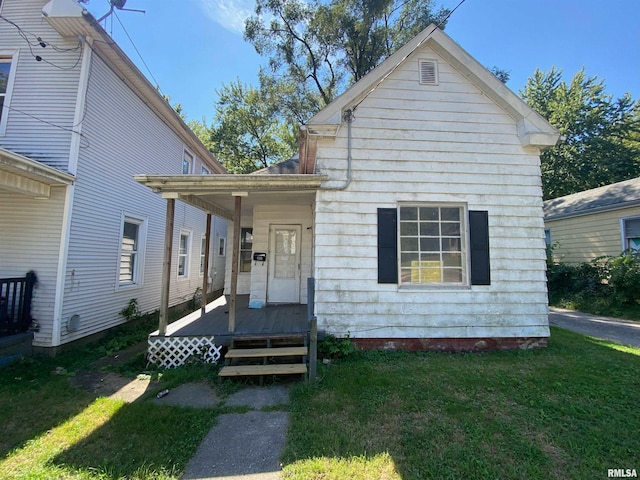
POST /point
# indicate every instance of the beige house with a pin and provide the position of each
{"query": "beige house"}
(594, 223)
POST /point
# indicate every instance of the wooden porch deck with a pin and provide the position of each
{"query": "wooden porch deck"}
(270, 320)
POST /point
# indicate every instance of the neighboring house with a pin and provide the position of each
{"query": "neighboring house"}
(603, 221)
(75, 127)
(415, 204)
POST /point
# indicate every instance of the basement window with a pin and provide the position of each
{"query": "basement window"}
(428, 72)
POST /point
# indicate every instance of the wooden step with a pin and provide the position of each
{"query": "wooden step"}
(274, 369)
(266, 352)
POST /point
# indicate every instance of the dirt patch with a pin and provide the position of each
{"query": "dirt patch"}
(109, 384)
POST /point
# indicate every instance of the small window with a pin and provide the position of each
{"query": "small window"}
(547, 236)
(7, 67)
(246, 246)
(631, 234)
(432, 245)
(222, 247)
(187, 163)
(183, 254)
(205, 171)
(428, 72)
(203, 252)
(131, 251)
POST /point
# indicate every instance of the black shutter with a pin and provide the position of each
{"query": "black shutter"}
(479, 241)
(387, 245)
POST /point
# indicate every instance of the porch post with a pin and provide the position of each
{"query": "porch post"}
(166, 267)
(234, 262)
(205, 276)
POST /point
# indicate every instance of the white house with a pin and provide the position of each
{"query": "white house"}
(78, 121)
(415, 204)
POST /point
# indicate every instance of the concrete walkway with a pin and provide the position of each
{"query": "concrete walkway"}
(244, 445)
(625, 332)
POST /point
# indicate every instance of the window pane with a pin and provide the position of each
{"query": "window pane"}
(450, 229)
(451, 245)
(429, 245)
(182, 262)
(452, 259)
(245, 261)
(127, 265)
(221, 246)
(183, 244)
(429, 213)
(450, 214)
(186, 166)
(129, 236)
(452, 275)
(429, 229)
(430, 275)
(408, 228)
(409, 260)
(246, 239)
(430, 257)
(409, 244)
(5, 68)
(408, 213)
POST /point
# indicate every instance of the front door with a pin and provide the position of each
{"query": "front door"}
(283, 285)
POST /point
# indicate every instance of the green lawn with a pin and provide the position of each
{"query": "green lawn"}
(568, 411)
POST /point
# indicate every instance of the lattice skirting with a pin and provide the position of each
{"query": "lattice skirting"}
(171, 352)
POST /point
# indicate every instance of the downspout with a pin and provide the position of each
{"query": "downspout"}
(349, 118)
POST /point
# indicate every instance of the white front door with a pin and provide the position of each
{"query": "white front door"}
(283, 285)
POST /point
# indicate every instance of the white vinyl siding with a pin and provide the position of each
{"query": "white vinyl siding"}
(417, 145)
(43, 97)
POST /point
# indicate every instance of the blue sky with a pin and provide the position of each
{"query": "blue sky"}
(193, 47)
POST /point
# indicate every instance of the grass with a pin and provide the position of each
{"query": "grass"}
(568, 411)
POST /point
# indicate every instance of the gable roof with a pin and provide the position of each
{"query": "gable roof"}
(287, 167)
(601, 199)
(69, 18)
(533, 129)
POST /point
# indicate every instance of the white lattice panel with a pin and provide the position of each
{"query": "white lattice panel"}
(171, 352)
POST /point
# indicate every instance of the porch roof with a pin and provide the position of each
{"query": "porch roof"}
(215, 193)
(24, 175)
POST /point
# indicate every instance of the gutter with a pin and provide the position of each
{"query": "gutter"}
(349, 118)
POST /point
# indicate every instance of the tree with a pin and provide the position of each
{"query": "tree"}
(320, 49)
(601, 144)
(248, 131)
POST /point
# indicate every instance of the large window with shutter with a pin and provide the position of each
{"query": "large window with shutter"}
(425, 244)
(631, 233)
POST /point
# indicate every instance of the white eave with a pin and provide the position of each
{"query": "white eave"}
(70, 19)
(29, 177)
(533, 129)
(198, 184)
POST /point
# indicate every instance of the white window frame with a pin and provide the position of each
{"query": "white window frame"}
(222, 246)
(623, 231)
(464, 247)
(8, 56)
(187, 159)
(138, 269)
(547, 236)
(203, 252)
(241, 250)
(186, 255)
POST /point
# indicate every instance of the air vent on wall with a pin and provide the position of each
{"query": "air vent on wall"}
(428, 72)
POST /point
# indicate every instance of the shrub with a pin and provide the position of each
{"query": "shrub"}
(335, 347)
(624, 276)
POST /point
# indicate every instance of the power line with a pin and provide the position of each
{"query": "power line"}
(137, 51)
(407, 55)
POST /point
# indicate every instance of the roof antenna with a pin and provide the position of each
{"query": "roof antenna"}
(119, 4)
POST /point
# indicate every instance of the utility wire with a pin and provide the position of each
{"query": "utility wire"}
(407, 55)
(137, 51)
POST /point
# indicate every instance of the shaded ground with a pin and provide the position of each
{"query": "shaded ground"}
(625, 332)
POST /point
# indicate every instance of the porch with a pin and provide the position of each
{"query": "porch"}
(272, 320)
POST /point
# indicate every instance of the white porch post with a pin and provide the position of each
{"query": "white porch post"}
(166, 267)
(235, 261)
(205, 276)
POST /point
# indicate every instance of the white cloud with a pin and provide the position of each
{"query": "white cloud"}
(229, 14)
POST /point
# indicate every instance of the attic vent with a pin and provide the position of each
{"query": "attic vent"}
(428, 72)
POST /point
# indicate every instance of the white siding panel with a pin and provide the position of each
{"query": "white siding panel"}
(30, 240)
(44, 94)
(417, 143)
(123, 138)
